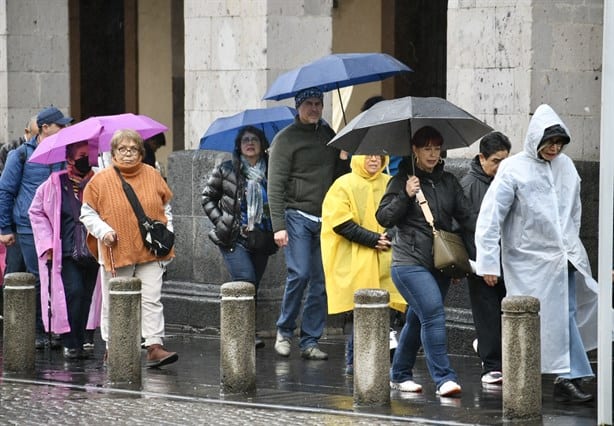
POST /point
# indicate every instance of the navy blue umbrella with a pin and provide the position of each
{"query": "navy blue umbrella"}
(221, 134)
(336, 71)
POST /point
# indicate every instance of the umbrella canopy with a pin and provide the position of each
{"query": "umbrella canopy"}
(336, 71)
(221, 134)
(387, 127)
(98, 131)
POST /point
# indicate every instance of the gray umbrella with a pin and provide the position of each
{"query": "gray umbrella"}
(386, 127)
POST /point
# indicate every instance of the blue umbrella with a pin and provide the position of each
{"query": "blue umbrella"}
(336, 71)
(221, 134)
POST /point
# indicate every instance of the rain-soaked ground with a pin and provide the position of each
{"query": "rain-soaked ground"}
(297, 384)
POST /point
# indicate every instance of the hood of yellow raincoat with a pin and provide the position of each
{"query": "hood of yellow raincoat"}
(357, 165)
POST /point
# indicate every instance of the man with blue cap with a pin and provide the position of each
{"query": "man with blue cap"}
(18, 184)
(301, 169)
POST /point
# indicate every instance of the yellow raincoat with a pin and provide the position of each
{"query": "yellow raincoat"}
(351, 266)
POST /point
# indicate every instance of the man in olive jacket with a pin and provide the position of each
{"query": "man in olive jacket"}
(301, 169)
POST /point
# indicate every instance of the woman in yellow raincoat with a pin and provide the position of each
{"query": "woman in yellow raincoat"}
(355, 248)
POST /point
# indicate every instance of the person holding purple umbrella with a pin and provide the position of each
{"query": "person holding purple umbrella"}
(116, 240)
(54, 215)
(18, 183)
(235, 201)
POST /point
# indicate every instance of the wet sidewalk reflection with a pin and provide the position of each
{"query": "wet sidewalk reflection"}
(294, 382)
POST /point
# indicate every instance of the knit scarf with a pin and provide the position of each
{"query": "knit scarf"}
(255, 176)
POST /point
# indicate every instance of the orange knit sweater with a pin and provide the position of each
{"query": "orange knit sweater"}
(104, 193)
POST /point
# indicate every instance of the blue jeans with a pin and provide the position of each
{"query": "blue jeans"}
(425, 324)
(305, 273)
(244, 265)
(79, 282)
(30, 258)
(578, 360)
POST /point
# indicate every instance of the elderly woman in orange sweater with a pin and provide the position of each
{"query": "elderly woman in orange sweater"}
(110, 219)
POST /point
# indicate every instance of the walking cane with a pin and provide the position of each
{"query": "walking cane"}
(49, 267)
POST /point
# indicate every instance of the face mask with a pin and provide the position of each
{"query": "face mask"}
(83, 165)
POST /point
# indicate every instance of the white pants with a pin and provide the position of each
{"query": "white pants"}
(152, 317)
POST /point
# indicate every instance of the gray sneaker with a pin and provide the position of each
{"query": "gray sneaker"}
(314, 353)
(283, 345)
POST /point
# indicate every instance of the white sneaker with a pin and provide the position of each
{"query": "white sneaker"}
(283, 345)
(406, 386)
(449, 388)
(492, 377)
(393, 339)
(475, 345)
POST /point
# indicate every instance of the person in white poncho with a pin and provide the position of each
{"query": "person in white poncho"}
(533, 208)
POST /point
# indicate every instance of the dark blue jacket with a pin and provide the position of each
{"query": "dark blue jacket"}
(18, 184)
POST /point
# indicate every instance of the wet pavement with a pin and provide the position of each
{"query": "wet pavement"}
(289, 391)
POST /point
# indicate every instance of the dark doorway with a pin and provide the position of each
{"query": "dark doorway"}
(103, 57)
(415, 33)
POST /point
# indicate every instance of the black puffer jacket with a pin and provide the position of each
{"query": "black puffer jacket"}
(221, 200)
(475, 184)
(413, 241)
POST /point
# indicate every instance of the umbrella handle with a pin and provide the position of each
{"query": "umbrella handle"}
(345, 122)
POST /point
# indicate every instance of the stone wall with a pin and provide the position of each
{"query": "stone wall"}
(34, 69)
(505, 57)
(234, 50)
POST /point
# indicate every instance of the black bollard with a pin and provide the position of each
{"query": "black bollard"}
(237, 343)
(19, 331)
(125, 331)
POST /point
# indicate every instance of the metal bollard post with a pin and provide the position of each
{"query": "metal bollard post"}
(237, 343)
(371, 352)
(20, 301)
(125, 330)
(521, 356)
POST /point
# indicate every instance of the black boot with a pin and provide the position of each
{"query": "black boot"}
(567, 390)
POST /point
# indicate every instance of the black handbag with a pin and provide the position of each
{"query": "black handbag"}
(80, 252)
(156, 236)
(259, 241)
(449, 253)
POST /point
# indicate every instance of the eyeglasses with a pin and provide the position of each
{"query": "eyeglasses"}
(128, 150)
(247, 139)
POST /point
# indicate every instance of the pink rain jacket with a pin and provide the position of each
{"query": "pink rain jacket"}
(45, 216)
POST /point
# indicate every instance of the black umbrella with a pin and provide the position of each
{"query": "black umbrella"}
(387, 127)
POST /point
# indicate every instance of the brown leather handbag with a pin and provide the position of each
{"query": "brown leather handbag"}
(449, 253)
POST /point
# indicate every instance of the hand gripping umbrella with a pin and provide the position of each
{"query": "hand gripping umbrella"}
(221, 134)
(387, 127)
(334, 72)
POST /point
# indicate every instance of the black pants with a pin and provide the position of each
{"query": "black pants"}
(486, 309)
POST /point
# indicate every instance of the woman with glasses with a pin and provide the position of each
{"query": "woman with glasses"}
(235, 201)
(110, 219)
(529, 224)
(54, 214)
(421, 285)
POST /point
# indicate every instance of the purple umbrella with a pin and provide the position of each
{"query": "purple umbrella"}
(98, 131)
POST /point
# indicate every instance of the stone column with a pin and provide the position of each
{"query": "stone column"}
(19, 322)
(371, 351)
(125, 331)
(521, 353)
(237, 343)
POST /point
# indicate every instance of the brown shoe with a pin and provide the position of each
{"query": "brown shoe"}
(157, 356)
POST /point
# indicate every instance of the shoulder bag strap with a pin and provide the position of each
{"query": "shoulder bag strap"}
(424, 205)
(134, 201)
